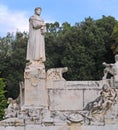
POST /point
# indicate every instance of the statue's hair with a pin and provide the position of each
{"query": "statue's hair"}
(37, 8)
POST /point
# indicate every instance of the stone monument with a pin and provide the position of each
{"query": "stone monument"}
(48, 102)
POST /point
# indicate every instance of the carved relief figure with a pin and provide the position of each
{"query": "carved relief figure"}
(12, 109)
(112, 69)
(103, 103)
(36, 43)
(56, 73)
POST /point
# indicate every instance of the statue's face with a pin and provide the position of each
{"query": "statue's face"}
(38, 11)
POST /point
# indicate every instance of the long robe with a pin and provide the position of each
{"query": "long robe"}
(36, 43)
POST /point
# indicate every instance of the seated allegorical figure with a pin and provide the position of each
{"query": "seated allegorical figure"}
(103, 103)
(12, 108)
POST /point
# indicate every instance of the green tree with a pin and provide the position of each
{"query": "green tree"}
(106, 24)
(52, 45)
(92, 39)
(17, 61)
(115, 38)
(3, 101)
(12, 64)
(82, 47)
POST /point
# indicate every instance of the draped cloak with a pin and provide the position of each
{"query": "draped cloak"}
(36, 43)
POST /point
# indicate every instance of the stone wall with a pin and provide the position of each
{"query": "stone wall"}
(49, 102)
(72, 95)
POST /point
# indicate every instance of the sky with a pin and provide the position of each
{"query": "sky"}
(14, 14)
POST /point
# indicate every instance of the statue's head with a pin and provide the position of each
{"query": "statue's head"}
(38, 10)
(105, 87)
(9, 100)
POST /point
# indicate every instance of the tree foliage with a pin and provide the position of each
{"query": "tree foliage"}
(81, 47)
(3, 101)
(115, 38)
(13, 63)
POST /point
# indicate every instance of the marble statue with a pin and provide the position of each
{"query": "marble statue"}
(112, 69)
(36, 43)
(12, 109)
(99, 107)
(56, 73)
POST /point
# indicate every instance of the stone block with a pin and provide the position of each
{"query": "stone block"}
(35, 95)
(65, 99)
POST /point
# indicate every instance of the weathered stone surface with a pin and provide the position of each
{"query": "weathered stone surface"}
(35, 92)
(64, 99)
(62, 94)
(72, 127)
(36, 42)
(89, 95)
(56, 73)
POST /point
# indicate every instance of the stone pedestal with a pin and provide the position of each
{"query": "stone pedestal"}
(64, 127)
(35, 93)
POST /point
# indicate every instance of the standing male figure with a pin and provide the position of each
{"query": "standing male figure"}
(36, 43)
